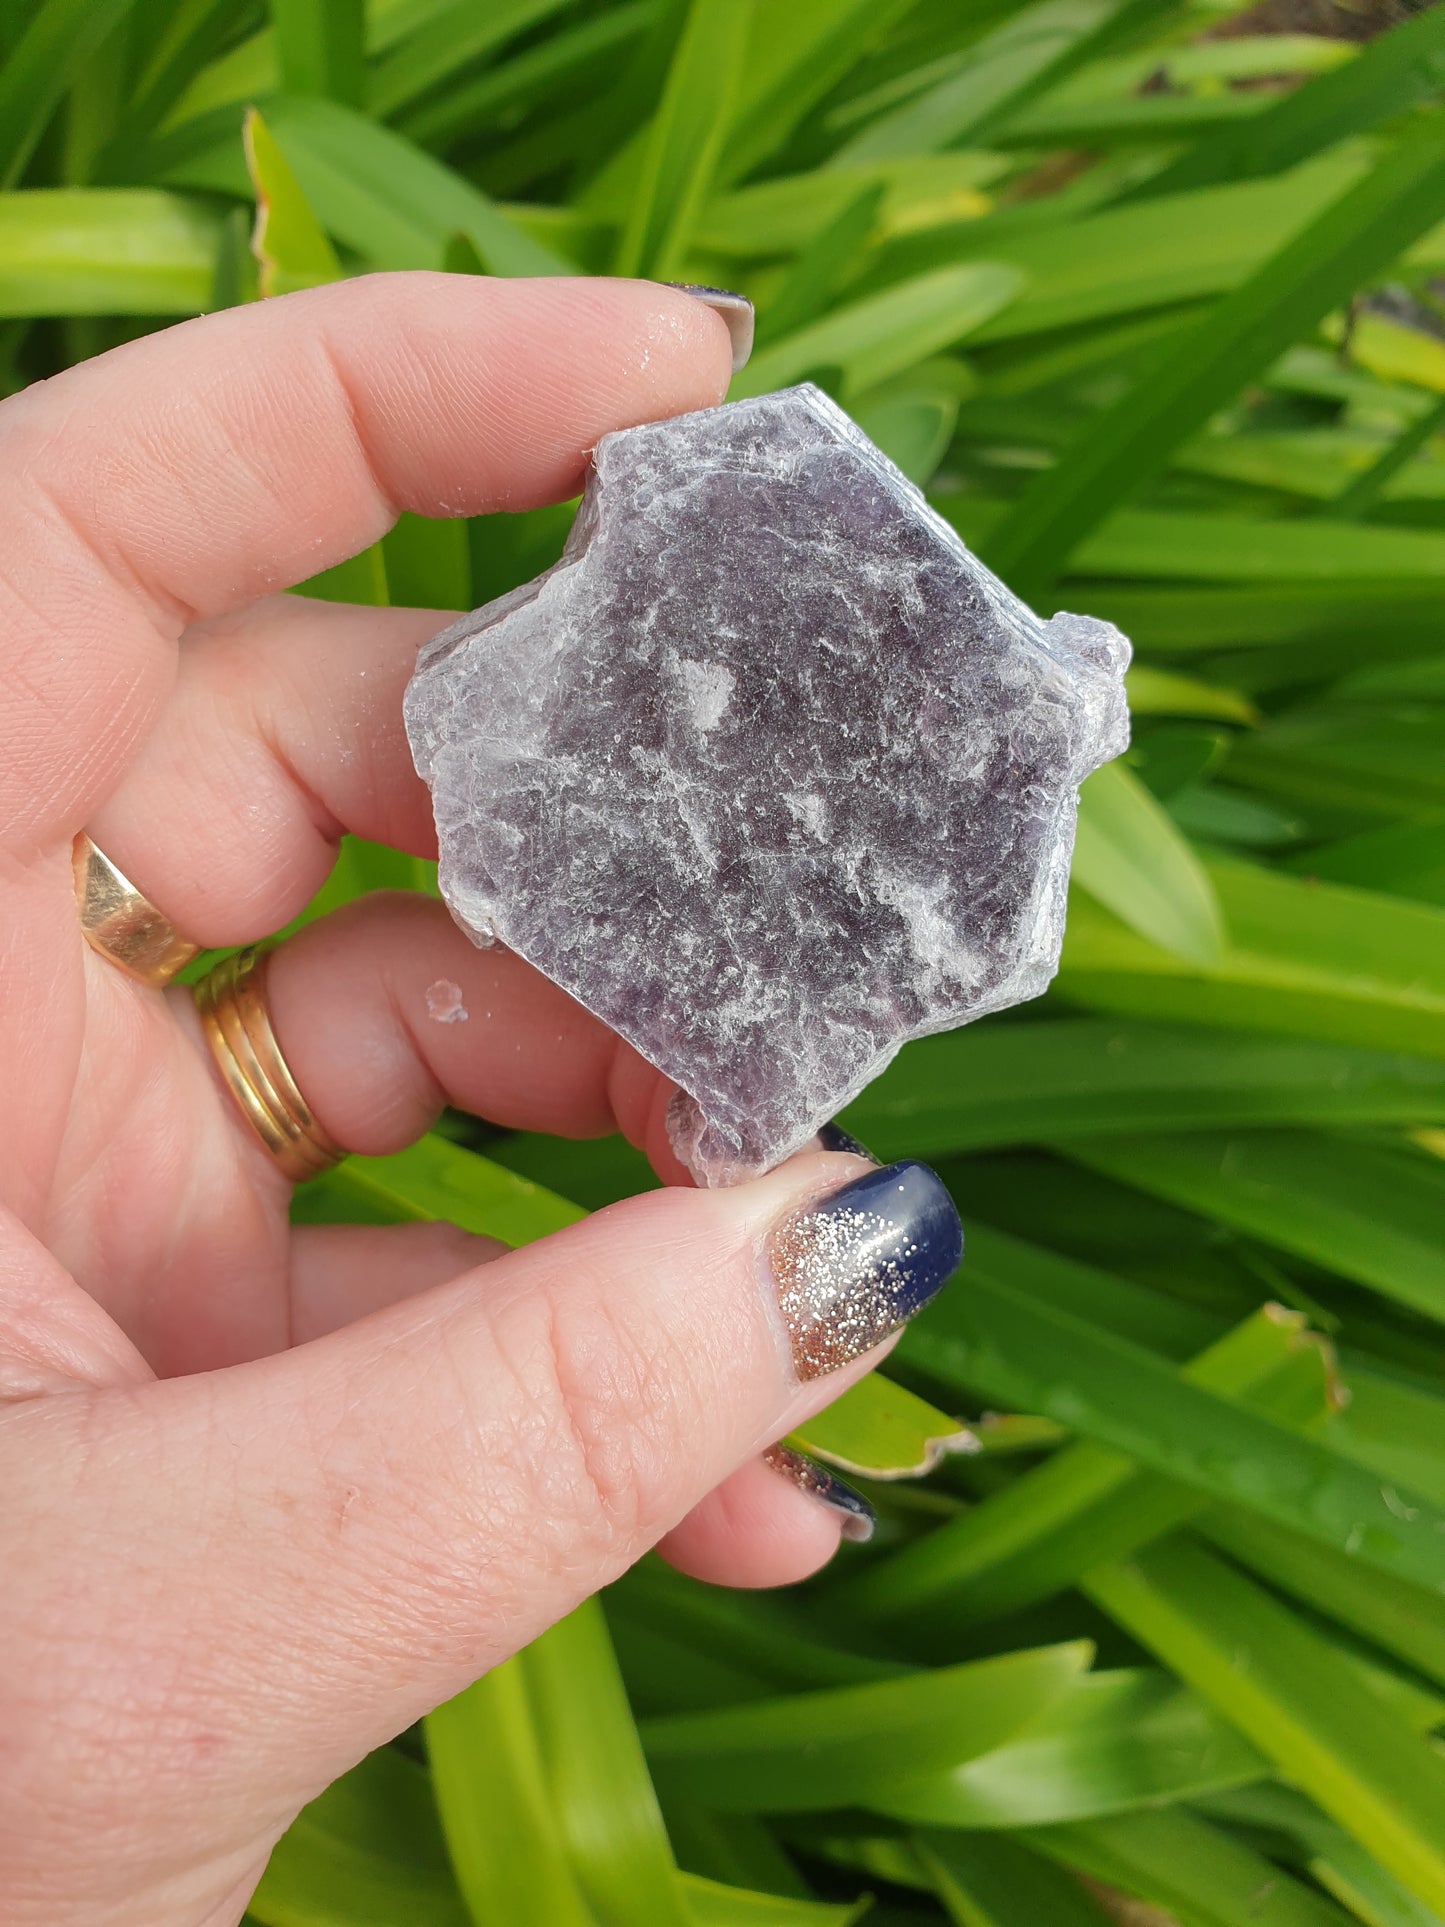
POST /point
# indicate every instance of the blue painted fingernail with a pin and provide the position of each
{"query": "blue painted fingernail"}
(736, 311)
(832, 1137)
(855, 1514)
(858, 1264)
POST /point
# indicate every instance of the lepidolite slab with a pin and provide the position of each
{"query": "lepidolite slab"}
(769, 772)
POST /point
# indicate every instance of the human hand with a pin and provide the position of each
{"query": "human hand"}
(271, 1495)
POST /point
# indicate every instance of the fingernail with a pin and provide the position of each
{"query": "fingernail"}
(856, 1515)
(858, 1264)
(832, 1137)
(735, 309)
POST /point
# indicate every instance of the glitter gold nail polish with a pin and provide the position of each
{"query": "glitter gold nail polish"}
(855, 1266)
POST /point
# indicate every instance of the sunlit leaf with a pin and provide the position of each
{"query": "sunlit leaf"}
(289, 244)
(1282, 1685)
(818, 1750)
(1129, 856)
(1354, 238)
(886, 332)
(881, 1430)
(82, 251)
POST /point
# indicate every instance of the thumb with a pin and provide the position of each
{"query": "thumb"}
(392, 1509)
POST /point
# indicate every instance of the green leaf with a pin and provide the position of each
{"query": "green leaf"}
(1002, 1341)
(289, 244)
(1159, 1324)
(1366, 489)
(437, 1179)
(997, 1084)
(763, 1641)
(427, 564)
(1162, 692)
(1367, 1211)
(544, 1795)
(319, 47)
(1405, 1621)
(711, 1904)
(367, 1853)
(788, 214)
(59, 36)
(686, 139)
(1128, 261)
(1113, 1741)
(1355, 237)
(817, 1750)
(1088, 1503)
(1389, 75)
(1388, 762)
(443, 43)
(1200, 1873)
(360, 578)
(794, 57)
(912, 418)
(607, 1811)
(495, 1798)
(1006, 69)
(394, 205)
(805, 290)
(985, 1880)
(1128, 855)
(521, 81)
(1312, 960)
(880, 1430)
(1154, 543)
(83, 251)
(1326, 1852)
(1283, 1685)
(887, 332)
(1299, 620)
(1394, 1424)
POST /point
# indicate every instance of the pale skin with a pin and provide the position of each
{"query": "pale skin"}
(270, 1496)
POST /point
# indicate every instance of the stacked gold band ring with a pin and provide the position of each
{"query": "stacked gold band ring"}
(232, 1005)
(121, 923)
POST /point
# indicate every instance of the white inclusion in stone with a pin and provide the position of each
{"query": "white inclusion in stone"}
(769, 772)
(444, 1002)
(708, 687)
(809, 811)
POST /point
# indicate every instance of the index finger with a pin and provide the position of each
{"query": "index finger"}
(240, 453)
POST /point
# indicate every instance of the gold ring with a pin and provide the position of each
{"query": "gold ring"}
(121, 924)
(231, 1000)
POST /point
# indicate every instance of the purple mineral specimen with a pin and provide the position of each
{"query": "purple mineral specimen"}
(769, 772)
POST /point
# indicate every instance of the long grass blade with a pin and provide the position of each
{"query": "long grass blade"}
(1369, 1212)
(1087, 1503)
(320, 48)
(1399, 68)
(1006, 1344)
(686, 139)
(1353, 239)
(1283, 1685)
(1129, 856)
(59, 37)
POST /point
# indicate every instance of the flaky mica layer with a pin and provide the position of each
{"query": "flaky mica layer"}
(769, 772)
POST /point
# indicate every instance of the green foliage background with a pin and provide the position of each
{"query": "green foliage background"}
(1145, 292)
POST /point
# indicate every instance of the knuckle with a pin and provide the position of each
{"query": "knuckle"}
(598, 1394)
